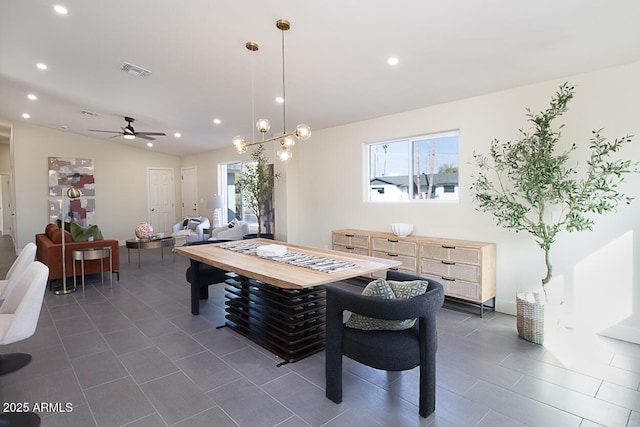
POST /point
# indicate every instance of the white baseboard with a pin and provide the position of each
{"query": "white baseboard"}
(506, 306)
(622, 332)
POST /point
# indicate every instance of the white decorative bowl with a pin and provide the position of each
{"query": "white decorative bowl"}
(401, 229)
(269, 251)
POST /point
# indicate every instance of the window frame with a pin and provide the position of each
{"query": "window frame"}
(223, 188)
(410, 142)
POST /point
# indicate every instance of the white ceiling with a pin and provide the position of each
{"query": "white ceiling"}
(336, 52)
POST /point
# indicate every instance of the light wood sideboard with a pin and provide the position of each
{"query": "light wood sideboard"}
(466, 269)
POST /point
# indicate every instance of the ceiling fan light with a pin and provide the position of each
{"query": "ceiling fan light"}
(129, 136)
(303, 131)
(263, 125)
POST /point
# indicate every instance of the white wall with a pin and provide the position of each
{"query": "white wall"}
(329, 189)
(120, 173)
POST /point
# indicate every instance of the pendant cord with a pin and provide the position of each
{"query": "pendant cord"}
(253, 107)
(284, 95)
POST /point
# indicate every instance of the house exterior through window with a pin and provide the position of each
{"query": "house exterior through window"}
(417, 168)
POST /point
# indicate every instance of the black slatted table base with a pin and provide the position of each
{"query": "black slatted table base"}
(288, 322)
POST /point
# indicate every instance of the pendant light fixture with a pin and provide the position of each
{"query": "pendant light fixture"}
(287, 139)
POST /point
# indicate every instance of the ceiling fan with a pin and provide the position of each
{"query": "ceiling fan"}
(130, 133)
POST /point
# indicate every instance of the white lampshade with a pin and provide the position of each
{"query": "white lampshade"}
(215, 201)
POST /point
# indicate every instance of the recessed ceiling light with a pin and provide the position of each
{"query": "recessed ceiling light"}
(392, 61)
(149, 144)
(279, 100)
(32, 97)
(60, 9)
(63, 126)
(41, 66)
(177, 135)
(26, 115)
(217, 121)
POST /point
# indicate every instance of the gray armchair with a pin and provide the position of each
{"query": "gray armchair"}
(386, 350)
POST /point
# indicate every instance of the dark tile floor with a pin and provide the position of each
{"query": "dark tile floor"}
(135, 356)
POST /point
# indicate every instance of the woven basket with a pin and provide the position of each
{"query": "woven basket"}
(530, 316)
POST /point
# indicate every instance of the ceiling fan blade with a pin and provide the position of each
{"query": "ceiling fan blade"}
(151, 133)
(107, 131)
(143, 136)
(116, 136)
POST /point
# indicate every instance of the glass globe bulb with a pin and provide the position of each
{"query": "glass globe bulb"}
(303, 131)
(238, 141)
(263, 125)
(288, 141)
(284, 153)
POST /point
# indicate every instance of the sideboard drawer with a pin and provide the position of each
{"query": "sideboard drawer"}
(450, 269)
(351, 240)
(450, 253)
(461, 289)
(351, 249)
(399, 247)
(409, 264)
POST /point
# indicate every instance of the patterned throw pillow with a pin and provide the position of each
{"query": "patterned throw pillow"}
(388, 289)
(193, 223)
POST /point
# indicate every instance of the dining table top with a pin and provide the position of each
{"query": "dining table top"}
(284, 274)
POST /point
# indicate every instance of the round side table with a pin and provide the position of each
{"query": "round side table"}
(89, 254)
(138, 244)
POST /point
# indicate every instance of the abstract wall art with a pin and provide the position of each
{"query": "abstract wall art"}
(67, 172)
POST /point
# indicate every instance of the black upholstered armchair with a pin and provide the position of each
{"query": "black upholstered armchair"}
(386, 350)
(200, 276)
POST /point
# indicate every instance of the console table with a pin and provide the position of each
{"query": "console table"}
(277, 305)
(466, 269)
(138, 244)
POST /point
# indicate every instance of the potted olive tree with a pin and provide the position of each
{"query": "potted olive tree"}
(256, 183)
(529, 185)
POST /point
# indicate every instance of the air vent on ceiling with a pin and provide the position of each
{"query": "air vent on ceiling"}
(134, 70)
(89, 113)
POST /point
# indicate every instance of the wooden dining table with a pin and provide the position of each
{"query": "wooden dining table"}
(271, 300)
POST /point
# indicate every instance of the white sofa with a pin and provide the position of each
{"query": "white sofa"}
(191, 229)
(235, 230)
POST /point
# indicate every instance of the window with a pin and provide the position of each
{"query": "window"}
(416, 168)
(233, 196)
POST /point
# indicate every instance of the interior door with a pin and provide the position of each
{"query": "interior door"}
(161, 200)
(189, 191)
(5, 217)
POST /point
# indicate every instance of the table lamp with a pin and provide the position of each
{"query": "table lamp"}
(215, 202)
